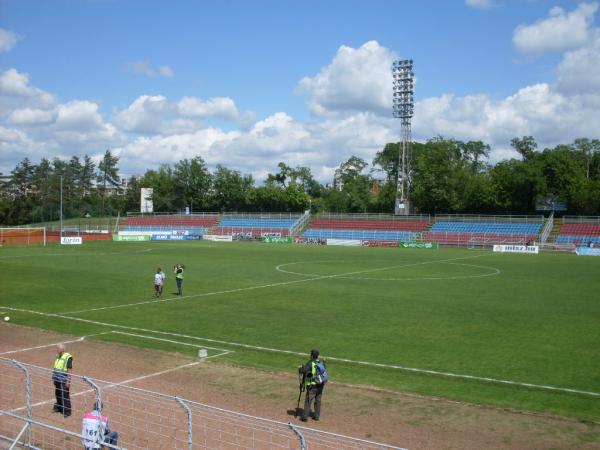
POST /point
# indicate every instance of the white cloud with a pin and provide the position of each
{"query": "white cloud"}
(145, 115)
(29, 116)
(143, 68)
(539, 110)
(16, 92)
(351, 103)
(157, 115)
(560, 31)
(222, 107)
(8, 40)
(165, 71)
(578, 73)
(78, 115)
(481, 4)
(356, 80)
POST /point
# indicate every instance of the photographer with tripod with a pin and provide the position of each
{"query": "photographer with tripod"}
(178, 271)
(314, 376)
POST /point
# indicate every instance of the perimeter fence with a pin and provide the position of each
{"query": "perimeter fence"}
(143, 419)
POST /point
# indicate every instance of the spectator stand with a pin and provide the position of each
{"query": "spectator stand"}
(579, 231)
(477, 231)
(170, 224)
(372, 229)
(254, 226)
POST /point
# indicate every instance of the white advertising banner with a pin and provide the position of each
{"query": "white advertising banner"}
(218, 237)
(71, 240)
(349, 242)
(146, 205)
(517, 249)
(136, 233)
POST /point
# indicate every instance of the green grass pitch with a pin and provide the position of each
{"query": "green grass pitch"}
(496, 329)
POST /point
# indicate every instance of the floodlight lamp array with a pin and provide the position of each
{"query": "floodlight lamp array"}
(403, 83)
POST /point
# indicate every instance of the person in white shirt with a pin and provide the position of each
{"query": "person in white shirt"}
(162, 274)
(95, 429)
(159, 278)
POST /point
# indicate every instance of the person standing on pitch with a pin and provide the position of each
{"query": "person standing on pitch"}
(315, 377)
(95, 429)
(158, 282)
(61, 376)
(178, 270)
(163, 276)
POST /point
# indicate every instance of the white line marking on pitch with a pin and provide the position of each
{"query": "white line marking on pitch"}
(495, 271)
(349, 361)
(55, 344)
(111, 385)
(37, 255)
(264, 286)
(169, 340)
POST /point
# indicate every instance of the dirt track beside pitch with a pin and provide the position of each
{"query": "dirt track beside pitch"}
(395, 418)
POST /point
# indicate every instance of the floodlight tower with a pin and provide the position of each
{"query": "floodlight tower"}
(403, 108)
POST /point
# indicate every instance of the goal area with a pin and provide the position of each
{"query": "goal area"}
(23, 236)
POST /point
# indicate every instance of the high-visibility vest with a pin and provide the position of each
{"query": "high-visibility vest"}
(312, 379)
(179, 274)
(60, 372)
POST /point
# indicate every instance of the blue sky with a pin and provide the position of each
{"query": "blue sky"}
(250, 83)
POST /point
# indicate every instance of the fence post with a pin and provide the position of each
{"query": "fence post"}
(189, 413)
(300, 436)
(27, 396)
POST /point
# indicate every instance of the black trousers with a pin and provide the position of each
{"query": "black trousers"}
(63, 399)
(313, 394)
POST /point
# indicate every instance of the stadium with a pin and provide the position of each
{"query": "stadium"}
(239, 225)
(480, 316)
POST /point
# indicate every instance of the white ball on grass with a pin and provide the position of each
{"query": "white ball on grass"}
(6, 318)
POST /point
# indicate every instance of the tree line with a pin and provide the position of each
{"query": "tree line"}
(449, 176)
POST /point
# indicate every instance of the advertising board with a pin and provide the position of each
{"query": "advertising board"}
(71, 240)
(420, 245)
(587, 251)
(346, 242)
(218, 237)
(131, 237)
(277, 240)
(534, 249)
(175, 237)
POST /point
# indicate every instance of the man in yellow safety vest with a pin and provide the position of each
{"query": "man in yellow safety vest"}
(61, 377)
(314, 384)
(178, 270)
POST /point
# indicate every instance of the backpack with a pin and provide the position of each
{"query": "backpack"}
(321, 376)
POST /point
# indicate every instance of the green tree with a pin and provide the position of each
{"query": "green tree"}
(108, 172)
(162, 181)
(588, 150)
(525, 146)
(440, 175)
(86, 176)
(565, 171)
(21, 180)
(386, 161)
(517, 184)
(193, 182)
(352, 192)
(231, 189)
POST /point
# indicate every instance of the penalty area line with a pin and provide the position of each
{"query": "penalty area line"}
(52, 345)
(143, 336)
(333, 358)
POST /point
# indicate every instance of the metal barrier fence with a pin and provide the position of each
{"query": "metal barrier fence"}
(143, 419)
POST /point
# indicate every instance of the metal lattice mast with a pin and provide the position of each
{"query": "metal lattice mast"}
(403, 108)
